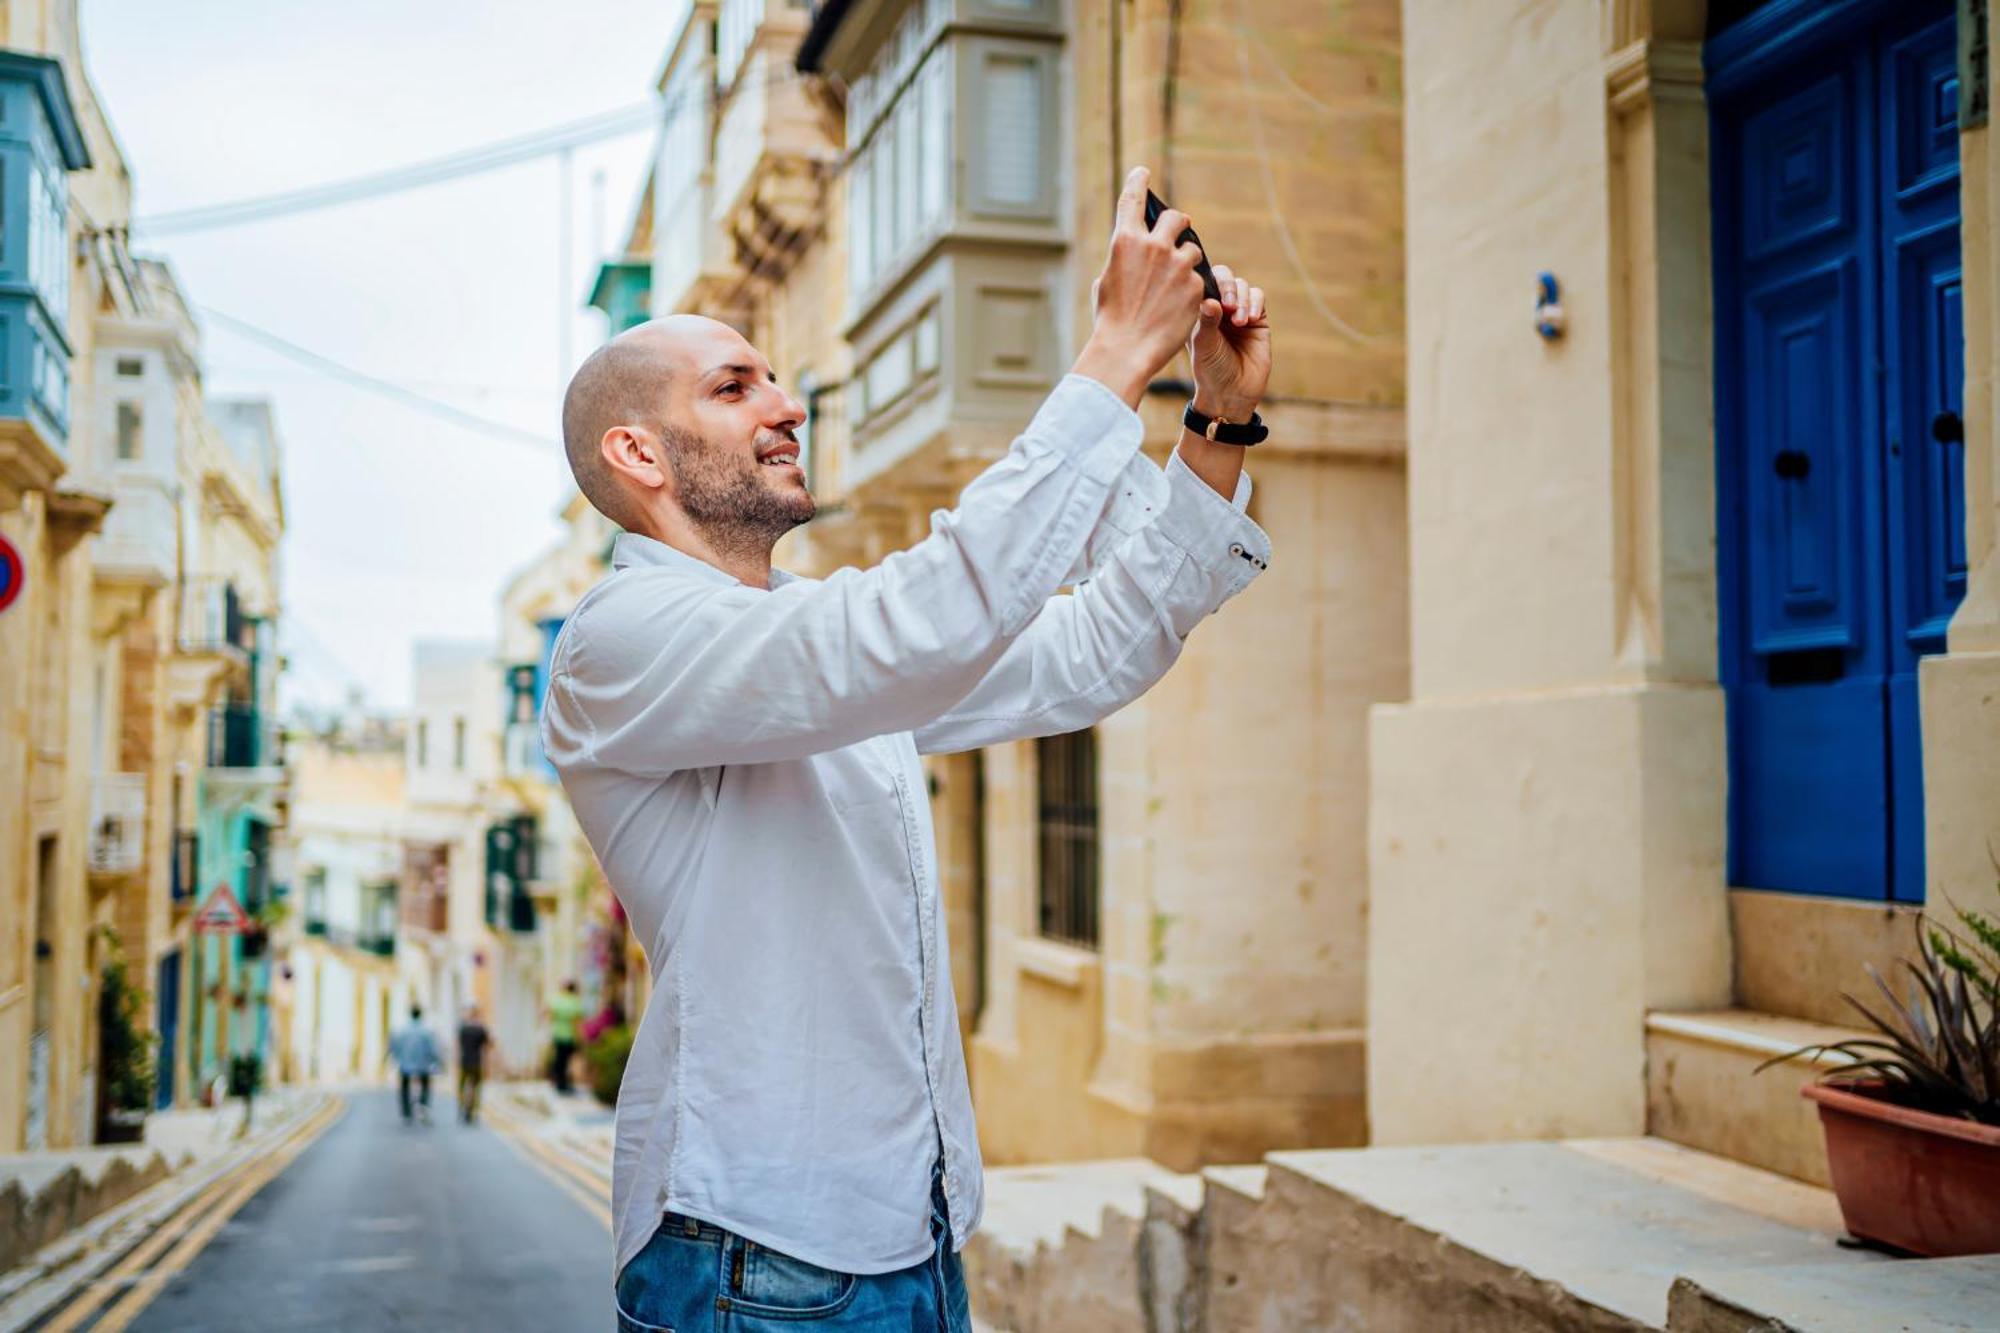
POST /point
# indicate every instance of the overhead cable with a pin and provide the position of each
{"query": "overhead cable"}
(659, 112)
(375, 384)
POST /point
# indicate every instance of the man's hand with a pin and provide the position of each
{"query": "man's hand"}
(1146, 299)
(1230, 350)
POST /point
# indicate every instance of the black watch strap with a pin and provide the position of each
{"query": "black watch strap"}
(1245, 433)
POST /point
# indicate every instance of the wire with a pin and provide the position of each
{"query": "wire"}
(660, 112)
(1271, 195)
(377, 385)
(626, 120)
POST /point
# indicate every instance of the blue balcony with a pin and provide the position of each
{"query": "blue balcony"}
(39, 145)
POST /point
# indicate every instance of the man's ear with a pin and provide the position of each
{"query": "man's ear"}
(635, 454)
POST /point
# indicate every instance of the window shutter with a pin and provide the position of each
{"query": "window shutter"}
(908, 141)
(936, 93)
(1011, 97)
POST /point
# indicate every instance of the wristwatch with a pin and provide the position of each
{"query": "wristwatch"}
(1244, 433)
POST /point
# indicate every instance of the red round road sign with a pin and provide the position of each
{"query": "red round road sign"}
(13, 573)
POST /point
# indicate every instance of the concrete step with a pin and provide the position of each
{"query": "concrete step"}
(1936, 1295)
(1104, 1246)
(1701, 1091)
(1588, 1235)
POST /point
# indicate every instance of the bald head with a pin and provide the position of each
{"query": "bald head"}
(627, 382)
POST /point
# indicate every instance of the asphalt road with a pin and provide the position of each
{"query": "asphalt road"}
(382, 1225)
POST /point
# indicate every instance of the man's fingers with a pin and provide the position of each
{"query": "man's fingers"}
(1256, 303)
(1242, 300)
(1170, 224)
(1224, 284)
(1132, 200)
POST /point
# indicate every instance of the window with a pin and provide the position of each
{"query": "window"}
(423, 743)
(898, 189)
(1066, 773)
(735, 28)
(48, 241)
(1011, 98)
(131, 442)
(131, 368)
(458, 744)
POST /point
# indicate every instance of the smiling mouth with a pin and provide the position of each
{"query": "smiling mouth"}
(781, 458)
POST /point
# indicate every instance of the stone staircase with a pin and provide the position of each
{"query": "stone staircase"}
(1593, 1234)
(1702, 1089)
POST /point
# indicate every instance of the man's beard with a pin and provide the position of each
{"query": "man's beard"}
(735, 510)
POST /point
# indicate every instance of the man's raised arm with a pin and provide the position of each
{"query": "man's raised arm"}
(657, 674)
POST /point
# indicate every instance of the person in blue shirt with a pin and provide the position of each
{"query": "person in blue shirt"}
(415, 1052)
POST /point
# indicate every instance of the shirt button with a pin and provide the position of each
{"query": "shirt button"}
(1236, 548)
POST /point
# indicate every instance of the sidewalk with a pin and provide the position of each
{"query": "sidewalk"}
(66, 1215)
(578, 1126)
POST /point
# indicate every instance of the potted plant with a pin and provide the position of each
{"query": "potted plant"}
(125, 1050)
(606, 1056)
(1912, 1123)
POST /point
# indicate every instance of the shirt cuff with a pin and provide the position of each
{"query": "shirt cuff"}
(1091, 426)
(1215, 532)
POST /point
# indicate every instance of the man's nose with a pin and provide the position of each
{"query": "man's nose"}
(788, 412)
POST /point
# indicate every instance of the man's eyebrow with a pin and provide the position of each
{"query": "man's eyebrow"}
(741, 368)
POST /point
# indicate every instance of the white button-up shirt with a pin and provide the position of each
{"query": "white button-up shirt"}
(745, 764)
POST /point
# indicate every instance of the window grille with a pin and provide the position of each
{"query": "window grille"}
(1066, 772)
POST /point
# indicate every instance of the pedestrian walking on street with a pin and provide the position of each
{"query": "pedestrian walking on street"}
(415, 1052)
(741, 747)
(472, 1043)
(565, 1009)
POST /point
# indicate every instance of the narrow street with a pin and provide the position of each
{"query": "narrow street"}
(382, 1225)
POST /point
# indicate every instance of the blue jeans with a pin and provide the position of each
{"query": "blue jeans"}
(692, 1276)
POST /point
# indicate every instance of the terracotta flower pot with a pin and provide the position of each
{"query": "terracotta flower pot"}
(1928, 1184)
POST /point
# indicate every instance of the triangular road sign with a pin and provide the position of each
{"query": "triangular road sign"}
(221, 914)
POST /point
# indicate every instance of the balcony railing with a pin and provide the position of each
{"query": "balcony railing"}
(117, 823)
(239, 737)
(142, 531)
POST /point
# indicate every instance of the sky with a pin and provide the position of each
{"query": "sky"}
(400, 525)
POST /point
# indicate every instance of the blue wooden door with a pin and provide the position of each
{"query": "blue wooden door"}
(167, 1002)
(1840, 482)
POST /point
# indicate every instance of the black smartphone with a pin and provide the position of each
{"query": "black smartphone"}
(1156, 206)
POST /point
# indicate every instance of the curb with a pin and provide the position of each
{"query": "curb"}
(61, 1268)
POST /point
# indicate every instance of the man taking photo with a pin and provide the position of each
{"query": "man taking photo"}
(795, 1136)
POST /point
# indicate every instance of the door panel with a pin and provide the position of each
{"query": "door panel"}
(1923, 363)
(1807, 780)
(1799, 464)
(1839, 358)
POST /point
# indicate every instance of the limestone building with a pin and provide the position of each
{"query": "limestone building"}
(347, 829)
(113, 470)
(452, 759)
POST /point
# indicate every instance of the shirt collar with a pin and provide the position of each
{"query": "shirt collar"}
(632, 548)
